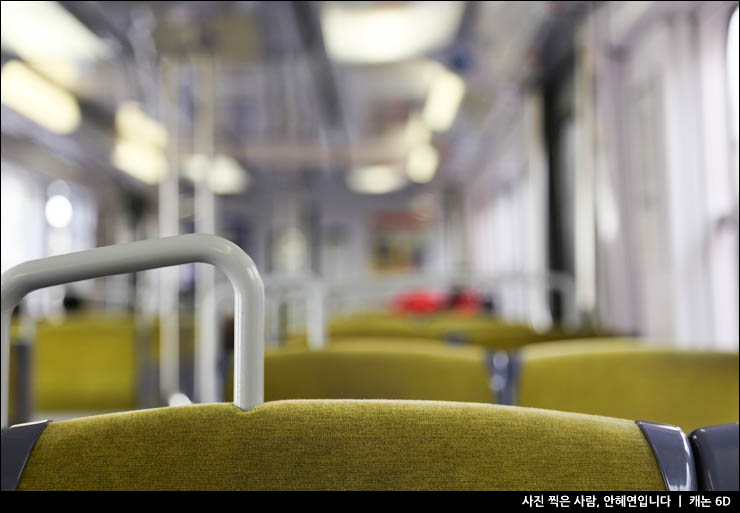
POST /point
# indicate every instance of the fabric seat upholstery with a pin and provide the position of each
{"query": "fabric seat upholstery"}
(481, 331)
(356, 445)
(690, 389)
(85, 363)
(377, 370)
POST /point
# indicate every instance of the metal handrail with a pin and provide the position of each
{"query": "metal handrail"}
(249, 295)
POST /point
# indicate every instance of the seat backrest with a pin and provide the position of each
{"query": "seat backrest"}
(355, 445)
(476, 330)
(378, 325)
(85, 363)
(378, 370)
(625, 379)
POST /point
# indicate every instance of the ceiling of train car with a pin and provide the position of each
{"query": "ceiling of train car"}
(289, 96)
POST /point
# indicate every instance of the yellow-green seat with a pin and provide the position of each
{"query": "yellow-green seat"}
(379, 370)
(15, 335)
(186, 347)
(494, 333)
(686, 388)
(301, 341)
(376, 370)
(379, 325)
(486, 332)
(85, 363)
(355, 445)
(89, 362)
(449, 327)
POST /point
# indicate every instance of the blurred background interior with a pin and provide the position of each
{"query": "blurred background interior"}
(468, 173)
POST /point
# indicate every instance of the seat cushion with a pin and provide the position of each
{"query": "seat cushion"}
(331, 445)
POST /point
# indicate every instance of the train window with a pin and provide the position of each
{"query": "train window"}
(649, 202)
(68, 224)
(21, 196)
(732, 79)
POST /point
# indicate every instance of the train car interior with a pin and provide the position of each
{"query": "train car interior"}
(370, 246)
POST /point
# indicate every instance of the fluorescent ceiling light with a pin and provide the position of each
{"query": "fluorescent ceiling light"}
(422, 163)
(42, 31)
(139, 149)
(61, 72)
(26, 92)
(446, 93)
(144, 162)
(375, 180)
(226, 176)
(50, 39)
(388, 33)
(133, 124)
(223, 174)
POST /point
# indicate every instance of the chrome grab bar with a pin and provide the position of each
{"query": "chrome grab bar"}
(249, 295)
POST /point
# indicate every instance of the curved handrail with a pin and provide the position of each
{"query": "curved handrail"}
(249, 294)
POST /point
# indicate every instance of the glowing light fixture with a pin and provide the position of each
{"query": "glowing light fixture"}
(375, 180)
(446, 93)
(49, 38)
(389, 32)
(133, 124)
(144, 162)
(224, 174)
(141, 141)
(58, 211)
(422, 163)
(26, 92)
(46, 31)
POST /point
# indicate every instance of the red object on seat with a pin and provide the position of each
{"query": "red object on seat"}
(421, 301)
(468, 302)
(425, 301)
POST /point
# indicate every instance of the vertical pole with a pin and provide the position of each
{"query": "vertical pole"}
(206, 361)
(585, 212)
(315, 321)
(169, 225)
(23, 364)
(5, 362)
(536, 249)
